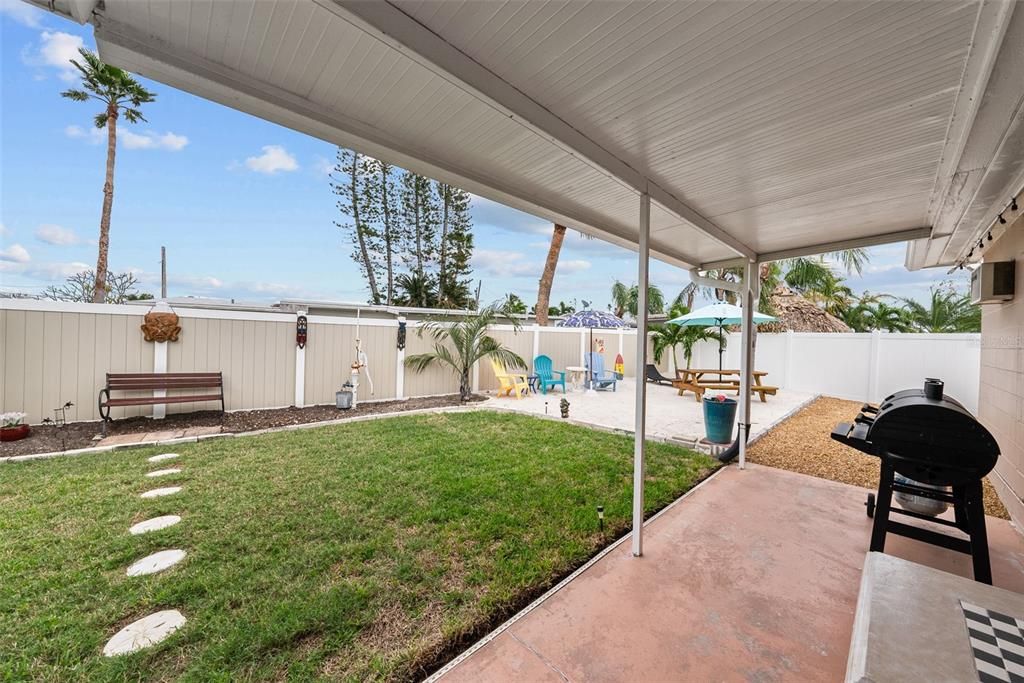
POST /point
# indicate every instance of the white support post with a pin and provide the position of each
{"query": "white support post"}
(639, 420)
(476, 377)
(749, 302)
(300, 371)
(622, 340)
(400, 366)
(583, 349)
(536, 340)
(876, 343)
(159, 365)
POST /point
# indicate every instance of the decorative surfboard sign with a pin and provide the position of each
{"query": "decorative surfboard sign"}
(620, 367)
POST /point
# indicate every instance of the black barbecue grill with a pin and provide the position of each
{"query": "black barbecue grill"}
(934, 441)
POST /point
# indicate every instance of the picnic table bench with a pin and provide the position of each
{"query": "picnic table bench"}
(150, 381)
(698, 380)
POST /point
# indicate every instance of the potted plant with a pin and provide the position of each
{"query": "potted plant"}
(13, 426)
(719, 418)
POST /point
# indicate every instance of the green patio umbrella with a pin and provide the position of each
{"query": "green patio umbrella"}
(718, 315)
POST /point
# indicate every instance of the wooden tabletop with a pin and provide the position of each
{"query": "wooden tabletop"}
(716, 371)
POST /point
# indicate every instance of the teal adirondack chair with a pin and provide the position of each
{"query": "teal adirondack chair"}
(597, 378)
(542, 367)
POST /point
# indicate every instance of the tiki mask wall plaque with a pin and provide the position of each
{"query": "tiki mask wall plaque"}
(161, 327)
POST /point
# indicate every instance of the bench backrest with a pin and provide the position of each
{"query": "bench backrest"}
(169, 380)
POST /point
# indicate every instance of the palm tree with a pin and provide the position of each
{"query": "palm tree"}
(547, 277)
(948, 311)
(858, 314)
(834, 296)
(883, 316)
(120, 93)
(460, 344)
(513, 304)
(627, 299)
(667, 336)
(415, 290)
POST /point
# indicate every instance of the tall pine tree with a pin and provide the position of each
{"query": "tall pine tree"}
(420, 218)
(383, 211)
(412, 237)
(347, 182)
(455, 247)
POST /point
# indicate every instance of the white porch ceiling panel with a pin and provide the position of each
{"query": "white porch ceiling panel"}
(301, 65)
(784, 124)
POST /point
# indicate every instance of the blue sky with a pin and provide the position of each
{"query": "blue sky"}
(242, 205)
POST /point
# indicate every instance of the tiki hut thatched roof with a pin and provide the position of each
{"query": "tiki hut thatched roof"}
(800, 315)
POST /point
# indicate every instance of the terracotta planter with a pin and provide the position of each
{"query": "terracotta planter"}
(14, 433)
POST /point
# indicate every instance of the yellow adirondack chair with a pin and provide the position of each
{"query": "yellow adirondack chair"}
(511, 382)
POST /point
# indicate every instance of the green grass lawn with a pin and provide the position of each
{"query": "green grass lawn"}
(357, 551)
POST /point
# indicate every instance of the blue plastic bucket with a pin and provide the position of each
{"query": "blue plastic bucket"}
(719, 418)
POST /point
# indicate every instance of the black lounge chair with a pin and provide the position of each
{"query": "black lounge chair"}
(654, 376)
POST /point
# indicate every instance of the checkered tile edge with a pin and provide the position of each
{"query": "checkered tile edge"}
(997, 641)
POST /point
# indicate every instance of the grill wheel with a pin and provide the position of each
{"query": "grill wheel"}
(870, 505)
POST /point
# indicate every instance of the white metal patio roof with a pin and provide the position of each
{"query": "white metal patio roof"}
(759, 128)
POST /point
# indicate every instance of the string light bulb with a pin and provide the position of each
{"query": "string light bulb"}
(989, 235)
(1002, 221)
(1013, 204)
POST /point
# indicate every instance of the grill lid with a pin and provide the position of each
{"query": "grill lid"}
(931, 440)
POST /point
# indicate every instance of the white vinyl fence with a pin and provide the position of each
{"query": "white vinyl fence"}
(859, 367)
(55, 352)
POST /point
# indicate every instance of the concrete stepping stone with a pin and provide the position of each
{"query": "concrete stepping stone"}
(163, 473)
(154, 524)
(144, 632)
(157, 562)
(162, 457)
(156, 493)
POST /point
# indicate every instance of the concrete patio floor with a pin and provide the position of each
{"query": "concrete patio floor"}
(752, 577)
(669, 416)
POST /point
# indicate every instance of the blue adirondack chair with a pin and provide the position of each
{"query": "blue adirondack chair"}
(546, 376)
(597, 378)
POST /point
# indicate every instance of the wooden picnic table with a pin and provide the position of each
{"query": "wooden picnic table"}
(698, 380)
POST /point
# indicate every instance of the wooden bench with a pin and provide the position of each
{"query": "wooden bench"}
(168, 381)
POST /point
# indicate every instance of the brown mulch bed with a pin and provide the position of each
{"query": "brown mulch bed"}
(47, 439)
(802, 444)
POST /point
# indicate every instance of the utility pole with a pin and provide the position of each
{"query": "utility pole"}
(163, 273)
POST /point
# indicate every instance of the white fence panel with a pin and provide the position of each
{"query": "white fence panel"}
(52, 352)
(905, 359)
(853, 366)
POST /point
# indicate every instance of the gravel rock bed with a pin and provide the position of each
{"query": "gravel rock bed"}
(802, 444)
(48, 439)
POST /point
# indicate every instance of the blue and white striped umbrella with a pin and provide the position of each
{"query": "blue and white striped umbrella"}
(593, 319)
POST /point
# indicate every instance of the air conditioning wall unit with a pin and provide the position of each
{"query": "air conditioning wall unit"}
(993, 282)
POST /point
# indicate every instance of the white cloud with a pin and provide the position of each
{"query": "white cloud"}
(129, 139)
(501, 263)
(322, 166)
(92, 135)
(22, 12)
(15, 254)
(275, 158)
(4, 230)
(55, 49)
(150, 140)
(56, 235)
